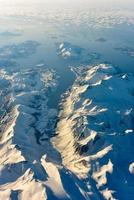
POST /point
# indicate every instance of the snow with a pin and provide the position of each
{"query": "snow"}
(90, 152)
(25, 102)
(100, 175)
(30, 167)
(128, 131)
(131, 168)
(108, 194)
(95, 128)
(54, 181)
(67, 50)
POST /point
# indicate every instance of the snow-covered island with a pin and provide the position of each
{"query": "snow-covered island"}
(66, 50)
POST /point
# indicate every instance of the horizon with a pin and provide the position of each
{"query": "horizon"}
(93, 3)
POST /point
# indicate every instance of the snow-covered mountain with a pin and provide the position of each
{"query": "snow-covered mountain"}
(84, 152)
(96, 130)
(25, 121)
(30, 167)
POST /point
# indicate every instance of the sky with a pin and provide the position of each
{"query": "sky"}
(91, 3)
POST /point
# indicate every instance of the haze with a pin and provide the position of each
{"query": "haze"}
(129, 4)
